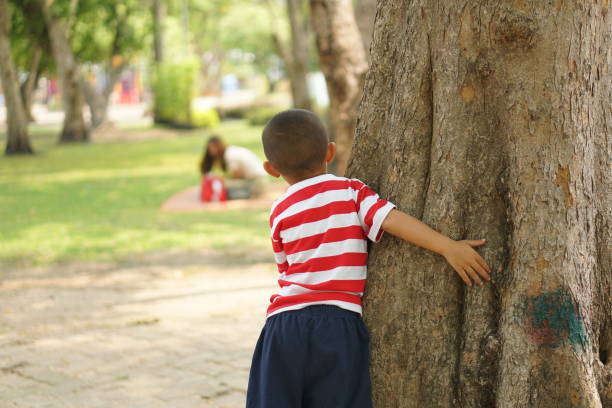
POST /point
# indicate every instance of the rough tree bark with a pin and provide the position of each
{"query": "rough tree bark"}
(299, 54)
(17, 127)
(365, 11)
(344, 64)
(75, 129)
(493, 119)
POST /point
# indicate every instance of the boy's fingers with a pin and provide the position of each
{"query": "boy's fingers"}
(475, 242)
(473, 274)
(482, 263)
(464, 277)
(481, 271)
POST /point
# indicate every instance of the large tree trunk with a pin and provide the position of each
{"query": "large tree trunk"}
(299, 54)
(344, 64)
(492, 120)
(75, 129)
(17, 128)
(365, 11)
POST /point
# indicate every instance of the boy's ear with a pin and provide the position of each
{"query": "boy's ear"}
(331, 152)
(270, 169)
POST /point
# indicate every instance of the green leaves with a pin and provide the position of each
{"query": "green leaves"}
(107, 28)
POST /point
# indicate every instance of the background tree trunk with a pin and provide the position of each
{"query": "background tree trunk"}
(41, 53)
(74, 129)
(299, 54)
(98, 101)
(17, 128)
(28, 86)
(493, 119)
(344, 64)
(296, 56)
(159, 15)
(365, 11)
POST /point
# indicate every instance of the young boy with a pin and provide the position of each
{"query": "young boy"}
(313, 350)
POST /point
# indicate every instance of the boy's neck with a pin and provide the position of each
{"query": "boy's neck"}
(294, 180)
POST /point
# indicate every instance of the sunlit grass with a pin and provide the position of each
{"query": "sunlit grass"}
(101, 201)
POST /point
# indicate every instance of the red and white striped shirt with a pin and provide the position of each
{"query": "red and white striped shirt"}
(319, 229)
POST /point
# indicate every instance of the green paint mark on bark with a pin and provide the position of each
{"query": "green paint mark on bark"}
(552, 320)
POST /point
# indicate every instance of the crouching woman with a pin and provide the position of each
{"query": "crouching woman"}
(243, 170)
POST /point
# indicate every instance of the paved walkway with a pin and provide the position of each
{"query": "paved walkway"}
(172, 331)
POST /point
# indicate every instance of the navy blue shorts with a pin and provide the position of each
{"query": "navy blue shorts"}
(316, 357)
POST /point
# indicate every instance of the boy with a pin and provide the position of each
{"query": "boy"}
(313, 350)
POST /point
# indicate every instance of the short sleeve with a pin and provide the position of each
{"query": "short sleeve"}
(279, 256)
(372, 211)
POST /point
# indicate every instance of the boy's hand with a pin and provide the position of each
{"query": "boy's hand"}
(459, 254)
(465, 260)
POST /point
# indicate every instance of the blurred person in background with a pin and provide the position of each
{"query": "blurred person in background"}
(245, 175)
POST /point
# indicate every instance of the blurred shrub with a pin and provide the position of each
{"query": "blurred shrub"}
(174, 88)
(234, 113)
(204, 118)
(261, 115)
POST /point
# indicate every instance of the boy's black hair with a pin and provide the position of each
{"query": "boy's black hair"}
(295, 142)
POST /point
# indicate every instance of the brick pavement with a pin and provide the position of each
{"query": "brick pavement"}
(173, 330)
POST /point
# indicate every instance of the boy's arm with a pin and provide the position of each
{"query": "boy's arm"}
(459, 254)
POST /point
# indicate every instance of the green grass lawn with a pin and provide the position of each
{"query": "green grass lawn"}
(101, 201)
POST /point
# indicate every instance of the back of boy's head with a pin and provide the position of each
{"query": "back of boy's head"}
(295, 142)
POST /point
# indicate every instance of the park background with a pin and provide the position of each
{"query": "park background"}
(107, 299)
(483, 119)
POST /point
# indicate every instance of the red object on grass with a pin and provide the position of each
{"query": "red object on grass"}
(212, 189)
